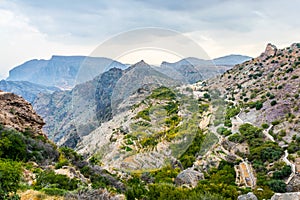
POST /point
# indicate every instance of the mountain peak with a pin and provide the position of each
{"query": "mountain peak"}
(142, 62)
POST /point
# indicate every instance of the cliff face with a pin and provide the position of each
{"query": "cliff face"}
(69, 115)
(17, 113)
(62, 71)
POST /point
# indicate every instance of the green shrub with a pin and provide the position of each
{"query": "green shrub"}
(187, 159)
(277, 186)
(273, 103)
(163, 93)
(265, 126)
(54, 191)
(144, 114)
(258, 105)
(295, 77)
(46, 178)
(237, 138)
(227, 123)
(276, 122)
(223, 131)
(10, 177)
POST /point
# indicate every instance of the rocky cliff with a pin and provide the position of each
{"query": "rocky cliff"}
(71, 114)
(18, 114)
(62, 71)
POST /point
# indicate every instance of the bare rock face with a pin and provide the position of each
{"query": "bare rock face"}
(270, 51)
(17, 113)
(248, 196)
(294, 184)
(189, 177)
(284, 196)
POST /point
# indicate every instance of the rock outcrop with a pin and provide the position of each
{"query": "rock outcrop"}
(286, 196)
(270, 51)
(17, 113)
(248, 196)
(189, 177)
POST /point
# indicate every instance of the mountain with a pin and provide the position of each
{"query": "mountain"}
(70, 115)
(27, 90)
(191, 70)
(231, 60)
(272, 79)
(256, 117)
(28, 158)
(62, 71)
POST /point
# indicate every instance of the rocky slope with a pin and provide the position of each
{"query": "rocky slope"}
(69, 115)
(156, 130)
(25, 89)
(268, 88)
(62, 71)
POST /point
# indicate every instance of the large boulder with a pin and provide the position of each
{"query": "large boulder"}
(248, 196)
(286, 196)
(189, 177)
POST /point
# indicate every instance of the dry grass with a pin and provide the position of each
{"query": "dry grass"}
(36, 195)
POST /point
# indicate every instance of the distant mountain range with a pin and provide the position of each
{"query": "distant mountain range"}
(26, 89)
(62, 71)
(66, 71)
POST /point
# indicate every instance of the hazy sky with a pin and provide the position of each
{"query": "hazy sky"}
(38, 29)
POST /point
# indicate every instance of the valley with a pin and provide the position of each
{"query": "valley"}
(226, 132)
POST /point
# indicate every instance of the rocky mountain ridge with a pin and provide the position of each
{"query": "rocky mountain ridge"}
(25, 89)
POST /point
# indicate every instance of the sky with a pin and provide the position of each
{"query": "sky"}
(33, 29)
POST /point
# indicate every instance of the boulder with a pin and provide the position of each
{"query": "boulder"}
(189, 177)
(248, 196)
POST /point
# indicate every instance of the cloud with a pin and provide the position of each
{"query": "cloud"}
(35, 29)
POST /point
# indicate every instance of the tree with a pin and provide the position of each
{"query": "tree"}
(277, 186)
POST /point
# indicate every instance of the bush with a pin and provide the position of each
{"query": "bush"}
(276, 122)
(223, 131)
(265, 126)
(10, 177)
(187, 159)
(47, 178)
(258, 105)
(227, 123)
(54, 191)
(273, 103)
(277, 186)
(163, 93)
(237, 138)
